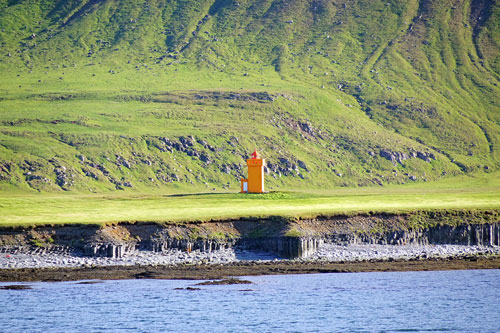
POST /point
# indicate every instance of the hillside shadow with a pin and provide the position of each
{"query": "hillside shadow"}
(194, 194)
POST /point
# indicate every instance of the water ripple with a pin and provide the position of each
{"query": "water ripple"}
(466, 301)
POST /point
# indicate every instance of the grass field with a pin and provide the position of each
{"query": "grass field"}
(465, 193)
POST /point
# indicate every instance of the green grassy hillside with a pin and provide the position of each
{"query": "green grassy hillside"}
(173, 95)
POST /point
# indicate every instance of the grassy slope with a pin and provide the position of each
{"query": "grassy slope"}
(102, 82)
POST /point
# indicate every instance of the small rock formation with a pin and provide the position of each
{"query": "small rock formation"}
(399, 157)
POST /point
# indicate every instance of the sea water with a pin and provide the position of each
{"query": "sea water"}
(456, 301)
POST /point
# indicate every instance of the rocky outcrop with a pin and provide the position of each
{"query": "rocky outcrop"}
(287, 238)
(400, 157)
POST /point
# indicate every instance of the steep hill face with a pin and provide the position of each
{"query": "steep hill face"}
(103, 95)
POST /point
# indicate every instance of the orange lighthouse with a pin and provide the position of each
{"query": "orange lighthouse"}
(255, 181)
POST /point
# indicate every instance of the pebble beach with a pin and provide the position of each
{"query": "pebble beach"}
(24, 258)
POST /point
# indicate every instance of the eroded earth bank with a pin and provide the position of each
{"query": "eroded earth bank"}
(361, 242)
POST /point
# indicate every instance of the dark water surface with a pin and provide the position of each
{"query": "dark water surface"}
(466, 301)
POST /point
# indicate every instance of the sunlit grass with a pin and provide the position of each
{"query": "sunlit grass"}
(70, 208)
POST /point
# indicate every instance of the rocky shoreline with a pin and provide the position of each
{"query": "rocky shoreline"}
(176, 264)
(361, 240)
(248, 268)
(14, 258)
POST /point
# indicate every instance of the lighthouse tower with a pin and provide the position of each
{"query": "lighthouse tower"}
(255, 181)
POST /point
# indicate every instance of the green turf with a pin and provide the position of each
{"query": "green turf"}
(458, 194)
